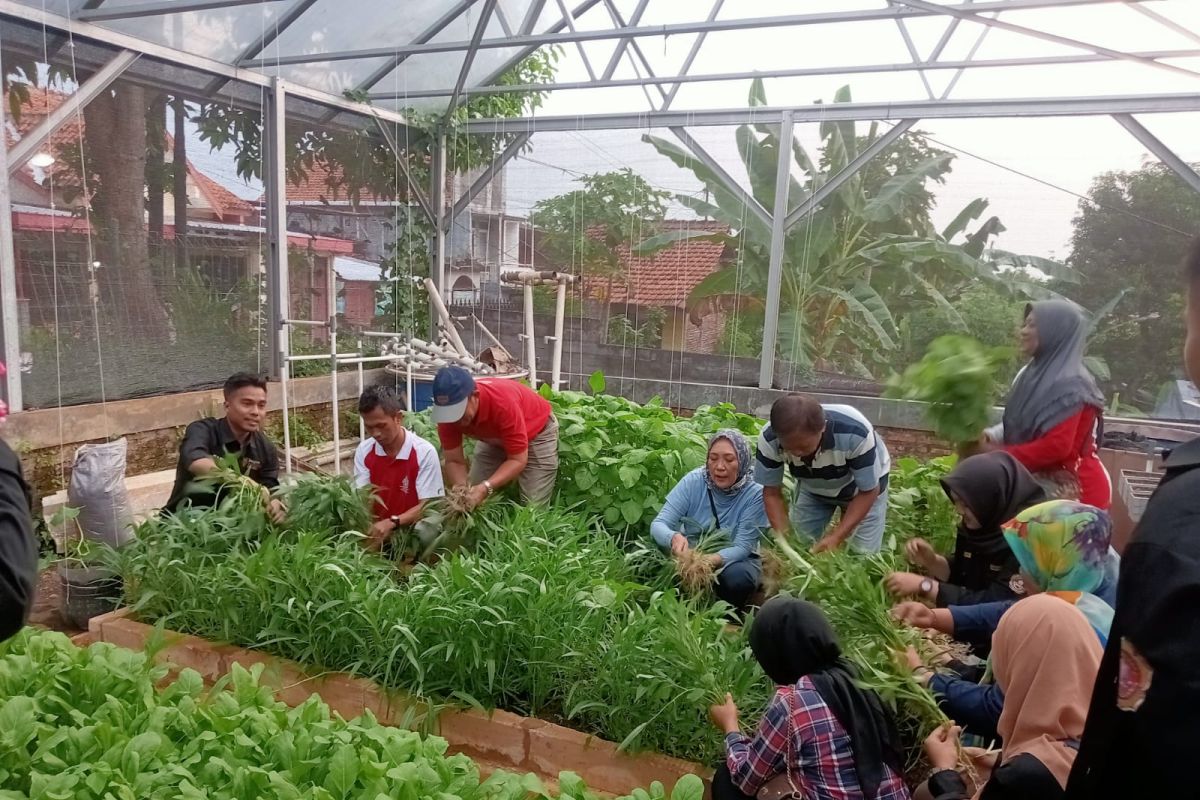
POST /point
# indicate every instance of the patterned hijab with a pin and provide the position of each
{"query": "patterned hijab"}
(1065, 547)
(1045, 659)
(1055, 385)
(742, 450)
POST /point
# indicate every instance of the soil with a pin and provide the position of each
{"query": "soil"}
(45, 605)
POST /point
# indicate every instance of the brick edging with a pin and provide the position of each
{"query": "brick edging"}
(503, 739)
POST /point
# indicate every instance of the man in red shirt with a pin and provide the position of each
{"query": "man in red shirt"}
(515, 429)
(401, 466)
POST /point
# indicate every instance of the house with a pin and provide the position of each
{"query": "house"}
(663, 281)
(357, 289)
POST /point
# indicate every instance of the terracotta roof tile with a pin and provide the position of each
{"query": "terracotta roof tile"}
(667, 277)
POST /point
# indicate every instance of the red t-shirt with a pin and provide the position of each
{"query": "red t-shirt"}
(510, 415)
(415, 474)
(1070, 445)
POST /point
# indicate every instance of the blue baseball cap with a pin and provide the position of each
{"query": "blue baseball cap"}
(452, 388)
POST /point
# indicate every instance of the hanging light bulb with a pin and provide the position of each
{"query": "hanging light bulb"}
(41, 160)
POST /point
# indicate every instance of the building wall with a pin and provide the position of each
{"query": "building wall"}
(358, 303)
(681, 335)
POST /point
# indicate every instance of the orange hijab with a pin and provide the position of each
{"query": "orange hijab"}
(1045, 656)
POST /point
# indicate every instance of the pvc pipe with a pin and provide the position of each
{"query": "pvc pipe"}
(449, 355)
(447, 322)
(362, 426)
(491, 337)
(310, 322)
(408, 387)
(283, 388)
(319, 356)
(344, 362)
(530, 341)
(560, 310)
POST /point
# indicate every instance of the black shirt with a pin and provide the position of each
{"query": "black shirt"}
(1022, 778)
(1141, 735)
(978, 575)
(18, 550)
(213, 438)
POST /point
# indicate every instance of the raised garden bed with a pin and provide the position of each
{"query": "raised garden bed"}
(501, 739)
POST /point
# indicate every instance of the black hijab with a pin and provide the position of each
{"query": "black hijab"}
(996, 487)
(791, 638)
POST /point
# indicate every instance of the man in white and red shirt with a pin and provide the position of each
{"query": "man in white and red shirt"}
(402, 467)
(515, 430)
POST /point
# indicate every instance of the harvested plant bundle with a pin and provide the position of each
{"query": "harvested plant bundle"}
(696, 571)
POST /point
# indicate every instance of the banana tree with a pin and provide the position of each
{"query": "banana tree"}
(871, 239)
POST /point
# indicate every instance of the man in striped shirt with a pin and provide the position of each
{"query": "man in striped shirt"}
(839, 464)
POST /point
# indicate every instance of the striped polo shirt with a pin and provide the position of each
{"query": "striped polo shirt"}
(851, 458)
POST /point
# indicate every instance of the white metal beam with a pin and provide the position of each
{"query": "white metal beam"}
(569, 20)
(963, 64)
(23, 150)
(396, 59)
(869, 152)
(783, 175)
(726, 179)
(414, 190)
(669, 100)
(480, 183)
(1166, 22)
(98, 33)
(1164, 154)
(833, 112)
(970, 62)
(671, 29)
(526, 51)
(10, 321)
(485, 16)
(974, 16)
(634, 19)
(160, 8)
(270, 34)
(275, 186)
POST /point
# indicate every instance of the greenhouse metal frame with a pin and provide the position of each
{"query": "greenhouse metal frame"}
(513, 29)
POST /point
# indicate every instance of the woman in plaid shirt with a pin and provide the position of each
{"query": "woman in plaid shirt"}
(833, 740)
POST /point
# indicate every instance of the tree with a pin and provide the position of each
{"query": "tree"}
(1130, 236)
(871, 239)
(588, 230)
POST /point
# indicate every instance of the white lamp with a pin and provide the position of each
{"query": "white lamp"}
(41, 160)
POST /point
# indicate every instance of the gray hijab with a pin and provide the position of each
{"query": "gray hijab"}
(1055, 385)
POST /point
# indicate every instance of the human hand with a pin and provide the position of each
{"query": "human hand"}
(941, 747)
(713, 560)
(914, 614)
(826, 542)
(908, 659)
(921, 553)
(476, 495)
(380, 532)
(679, 544)
(276, 510)
(725, 715)
(906, 584)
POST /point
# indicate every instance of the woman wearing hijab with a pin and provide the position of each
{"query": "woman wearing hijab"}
(832, 739)
(720, 496)
(987, 490)
(1064, 551)
(1053, 410)
(1045, 658)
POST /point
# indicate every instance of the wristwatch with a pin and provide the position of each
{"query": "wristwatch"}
(490, 489)
(395, 520)
(926, 587)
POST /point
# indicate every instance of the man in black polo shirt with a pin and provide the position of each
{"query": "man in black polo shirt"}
(1144, 721)
(238, 432)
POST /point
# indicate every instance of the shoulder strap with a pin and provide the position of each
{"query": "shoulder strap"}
(712, 506)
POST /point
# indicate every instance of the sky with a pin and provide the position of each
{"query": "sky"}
(1032, 170)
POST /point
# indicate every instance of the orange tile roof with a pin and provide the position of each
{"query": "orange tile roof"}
(667, 277)
(43, 101)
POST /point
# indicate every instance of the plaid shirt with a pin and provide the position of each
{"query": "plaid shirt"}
(822, 762)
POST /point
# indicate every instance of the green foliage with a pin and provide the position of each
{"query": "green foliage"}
(1130, 236)
(321, 503)
(102, 723)
(584, 231)
(401, 299)
(300, 431)
(863, 259)
(620, 459)
(992, 316)
(918, 506)
(628, 333)
(957, 378)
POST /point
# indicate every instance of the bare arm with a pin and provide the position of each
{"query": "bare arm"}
(411, 516)
(777, 510)
(202, 466)
(940, 568)
(456, 467)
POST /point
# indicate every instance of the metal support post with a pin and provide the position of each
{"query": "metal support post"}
(766, 371)
(726, 179)
(333, 369)
(275, 144)
(8, 284)
(437, 197)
